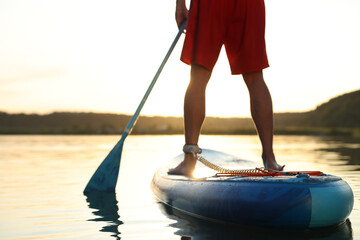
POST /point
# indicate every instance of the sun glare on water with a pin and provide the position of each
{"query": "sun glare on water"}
(203, 172)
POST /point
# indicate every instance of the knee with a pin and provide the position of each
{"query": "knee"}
(199, 75)
(253, 78)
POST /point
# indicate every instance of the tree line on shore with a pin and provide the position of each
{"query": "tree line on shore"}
(338, 116)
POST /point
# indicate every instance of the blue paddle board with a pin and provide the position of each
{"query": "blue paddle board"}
(299, 201)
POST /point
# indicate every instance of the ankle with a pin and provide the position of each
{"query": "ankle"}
(189, 159)
(268, 158)
(192, 148)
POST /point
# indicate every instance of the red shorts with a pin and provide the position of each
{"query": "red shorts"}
(237, 24)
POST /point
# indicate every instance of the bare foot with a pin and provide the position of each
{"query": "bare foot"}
(186, 167)
(270, 163)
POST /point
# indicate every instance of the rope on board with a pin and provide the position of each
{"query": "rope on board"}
(258, 172)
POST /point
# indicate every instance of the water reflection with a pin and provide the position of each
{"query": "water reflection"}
(347, 148)
(106, 210)
(191, 228)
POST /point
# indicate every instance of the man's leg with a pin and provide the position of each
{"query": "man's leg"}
(262, 114)
(194, 115)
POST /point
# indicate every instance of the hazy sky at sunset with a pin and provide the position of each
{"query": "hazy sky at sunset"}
(73, 55)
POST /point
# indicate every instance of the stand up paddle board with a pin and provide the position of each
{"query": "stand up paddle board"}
(297, 200)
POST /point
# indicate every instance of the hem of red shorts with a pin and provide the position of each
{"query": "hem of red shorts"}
(249, 70)
(186, 61)
(189, 62)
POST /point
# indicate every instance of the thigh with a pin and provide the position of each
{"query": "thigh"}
(245, 42)
(205, 33)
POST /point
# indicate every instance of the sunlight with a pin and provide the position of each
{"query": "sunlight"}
(203, 172)
(105, 63)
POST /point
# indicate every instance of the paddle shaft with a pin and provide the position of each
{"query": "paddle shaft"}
(105, 177)
(134, 118)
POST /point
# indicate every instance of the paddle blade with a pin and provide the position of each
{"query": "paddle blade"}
(105, 177)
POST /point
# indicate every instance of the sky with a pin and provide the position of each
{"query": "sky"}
(100, 56)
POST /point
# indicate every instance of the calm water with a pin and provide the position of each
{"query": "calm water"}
(42, 179)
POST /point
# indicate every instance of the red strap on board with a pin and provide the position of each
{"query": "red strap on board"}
(265, 173)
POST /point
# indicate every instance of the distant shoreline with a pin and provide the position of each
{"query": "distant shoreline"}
(279, 132)
(68, 123)
(340, 116)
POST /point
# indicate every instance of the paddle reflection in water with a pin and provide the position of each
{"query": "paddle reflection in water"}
(106, 210)
(191, 228)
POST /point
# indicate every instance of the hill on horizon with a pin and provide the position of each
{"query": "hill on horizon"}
(341, 112)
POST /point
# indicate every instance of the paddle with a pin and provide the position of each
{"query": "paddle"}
(105, 177)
